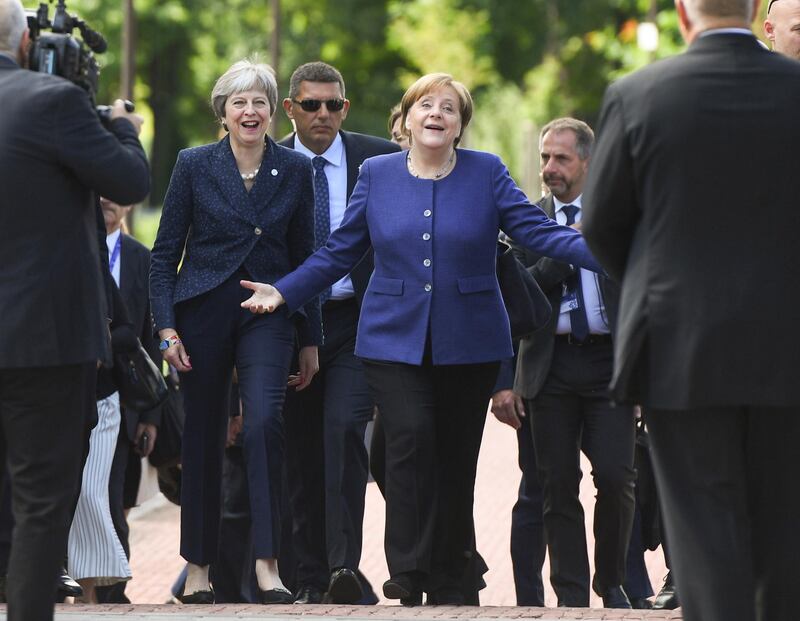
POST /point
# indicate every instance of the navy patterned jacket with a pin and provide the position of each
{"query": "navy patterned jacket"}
(208, 211)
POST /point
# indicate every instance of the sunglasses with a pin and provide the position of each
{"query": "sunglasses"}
(312, 105)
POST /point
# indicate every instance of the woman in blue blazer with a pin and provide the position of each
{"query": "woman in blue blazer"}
(240, 208)
(433, 326)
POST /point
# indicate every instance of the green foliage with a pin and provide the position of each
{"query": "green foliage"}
(434, 36)
(525, 62)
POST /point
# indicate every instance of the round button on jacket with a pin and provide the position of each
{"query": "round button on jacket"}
(428, 286)
(257, 230)
(426, 236)
(427, 213)
(427, 262)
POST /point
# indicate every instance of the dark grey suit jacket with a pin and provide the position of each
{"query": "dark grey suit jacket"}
(53, 153)
(357, 148)
(692, 203)
(536, 351)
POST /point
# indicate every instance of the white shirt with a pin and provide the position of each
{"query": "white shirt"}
(111, 241)
(336, 173)
(595, 309)
(714, 31)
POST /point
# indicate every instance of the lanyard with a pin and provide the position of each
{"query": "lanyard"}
(115, 254)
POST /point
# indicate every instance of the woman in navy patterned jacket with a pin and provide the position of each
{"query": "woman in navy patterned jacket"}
(240, 208)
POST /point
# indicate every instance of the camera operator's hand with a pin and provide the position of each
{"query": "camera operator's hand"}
(118, 111)
(175, 354)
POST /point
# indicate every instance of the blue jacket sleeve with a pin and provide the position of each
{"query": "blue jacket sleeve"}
(345, 248)
(176, 218)
(529, 226)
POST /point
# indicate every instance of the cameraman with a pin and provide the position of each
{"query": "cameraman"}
(53, 153)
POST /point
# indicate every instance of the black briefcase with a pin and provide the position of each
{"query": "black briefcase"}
(139, 382)
(527, 306)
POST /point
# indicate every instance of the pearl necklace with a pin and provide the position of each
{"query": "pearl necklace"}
(438, 174)
(250, 176)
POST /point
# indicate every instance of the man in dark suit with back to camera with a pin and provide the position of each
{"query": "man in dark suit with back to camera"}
(53, 153)
(562, 374)
(326, 457)
(692, 206)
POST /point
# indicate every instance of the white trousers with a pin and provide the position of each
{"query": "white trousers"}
(94, 550)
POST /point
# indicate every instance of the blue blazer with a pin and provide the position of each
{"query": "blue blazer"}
(435, 248)
(269, 230)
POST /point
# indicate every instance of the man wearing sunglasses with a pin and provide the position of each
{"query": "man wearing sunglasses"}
(326, 458)
(782, 27)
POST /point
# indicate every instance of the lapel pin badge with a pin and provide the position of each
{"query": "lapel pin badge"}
(274, 172)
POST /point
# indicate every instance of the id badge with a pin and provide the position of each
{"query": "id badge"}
(569, 300)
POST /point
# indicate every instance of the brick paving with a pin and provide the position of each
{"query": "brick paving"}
(239, 612)
(155, 560)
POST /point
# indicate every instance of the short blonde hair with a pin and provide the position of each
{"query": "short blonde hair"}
(245, 75)
(432, 82)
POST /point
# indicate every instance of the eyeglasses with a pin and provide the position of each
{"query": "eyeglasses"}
(769, 6)
(312, 105)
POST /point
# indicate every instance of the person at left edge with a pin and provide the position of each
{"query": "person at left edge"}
(243, 207)
(433, 326)
(54, 153)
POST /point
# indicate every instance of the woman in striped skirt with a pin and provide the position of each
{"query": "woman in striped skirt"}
(95, 554)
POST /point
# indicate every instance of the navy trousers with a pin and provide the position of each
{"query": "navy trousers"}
(527, 525)
(326, 455)
(219, 335)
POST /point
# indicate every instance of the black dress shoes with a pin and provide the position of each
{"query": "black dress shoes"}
(344, 587)
(67, 586)
(308, 595)
(667, 598)
(276, 596)
(640, 603)
(615, 597)
(198, 597)
(405, 588)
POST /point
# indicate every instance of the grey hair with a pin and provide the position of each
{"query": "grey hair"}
(696, 9)
(13, 25)
(584, 136)
(245, 75)
(316, 71)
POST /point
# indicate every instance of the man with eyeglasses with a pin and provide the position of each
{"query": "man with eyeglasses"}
(326, 458)
(782, 27)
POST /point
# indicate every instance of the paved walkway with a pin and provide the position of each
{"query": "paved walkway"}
(155, 560)
(238, 612)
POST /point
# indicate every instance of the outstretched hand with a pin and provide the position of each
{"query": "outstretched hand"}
(265, 298)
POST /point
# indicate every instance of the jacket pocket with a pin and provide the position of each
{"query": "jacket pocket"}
(386, 286)
(474, 284)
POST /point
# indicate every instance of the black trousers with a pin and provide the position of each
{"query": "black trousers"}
(571, 413)
(218, 335)
(42, 423)
(727, 479)
(327, 462)
(433, 417)
(527, 524)
(472, 581)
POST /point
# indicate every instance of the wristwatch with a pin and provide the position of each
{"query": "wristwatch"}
(167, 342)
